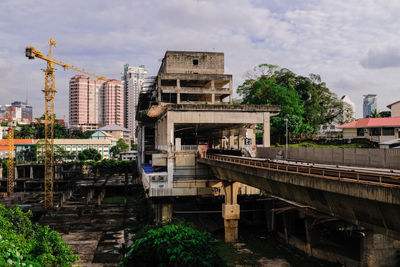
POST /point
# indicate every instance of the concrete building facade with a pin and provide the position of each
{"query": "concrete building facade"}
(186, 113)
(94, 103)
(369, 104)
(133, 79)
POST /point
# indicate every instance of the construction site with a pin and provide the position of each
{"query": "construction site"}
(203, 158)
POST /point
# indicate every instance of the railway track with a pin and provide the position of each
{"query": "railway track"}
(361, 175)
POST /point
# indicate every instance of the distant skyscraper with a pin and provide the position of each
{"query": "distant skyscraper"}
(22, 112)
(94, 103)
(369, 104)
(133, 79)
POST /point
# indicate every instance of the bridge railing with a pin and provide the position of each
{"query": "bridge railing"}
(328, 173)
(361, 157)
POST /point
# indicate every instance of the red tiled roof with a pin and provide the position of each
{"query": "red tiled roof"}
(4, 148)
(373, 122)
(4, 142)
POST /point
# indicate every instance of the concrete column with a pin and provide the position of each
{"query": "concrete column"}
(15, 173)
(1, 172)
(170, 144)
(213, 92)
(378, 250)
(31, 172)
(143, 136)
(230, 92)
(270, 215)
(166, 211)
(178, 95)
(266, 131)
(231, 212)
(231, 141)
(159, 89)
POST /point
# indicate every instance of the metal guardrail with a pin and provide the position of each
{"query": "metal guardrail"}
(327, 173)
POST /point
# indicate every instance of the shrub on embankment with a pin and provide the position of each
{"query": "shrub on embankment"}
(23, 243)
(173, 244)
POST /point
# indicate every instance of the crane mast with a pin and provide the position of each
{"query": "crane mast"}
(49, 94)
(10, 163)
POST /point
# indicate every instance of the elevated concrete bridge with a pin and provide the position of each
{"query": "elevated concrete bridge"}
(368, 199)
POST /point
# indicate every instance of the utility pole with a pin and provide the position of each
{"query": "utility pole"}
(286, 147)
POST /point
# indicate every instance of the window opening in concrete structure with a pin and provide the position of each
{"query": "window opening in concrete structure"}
(168, 83)
(195, 62)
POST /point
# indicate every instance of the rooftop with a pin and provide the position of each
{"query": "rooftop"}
(373, 122)
(113, 127)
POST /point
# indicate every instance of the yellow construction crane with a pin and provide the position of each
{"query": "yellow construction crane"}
(10, 163)
(49, 93)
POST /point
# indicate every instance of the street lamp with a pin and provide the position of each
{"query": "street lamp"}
(286, 147)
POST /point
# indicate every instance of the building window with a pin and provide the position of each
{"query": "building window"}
(375, 131)
(195, 62)
(387, 131)
(360, 131)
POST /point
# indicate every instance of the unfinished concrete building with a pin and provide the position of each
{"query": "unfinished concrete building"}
(185, 113)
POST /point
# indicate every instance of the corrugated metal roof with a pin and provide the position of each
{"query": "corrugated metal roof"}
(19, 141)
(373, 122)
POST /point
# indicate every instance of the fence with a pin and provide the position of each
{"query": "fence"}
(361, 157)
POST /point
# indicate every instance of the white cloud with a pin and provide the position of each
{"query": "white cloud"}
(330, 38)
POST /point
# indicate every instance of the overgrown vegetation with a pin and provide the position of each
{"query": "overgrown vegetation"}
(305, 102)
(23, 243)
(173, 244)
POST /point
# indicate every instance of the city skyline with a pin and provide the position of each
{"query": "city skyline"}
(352, 47)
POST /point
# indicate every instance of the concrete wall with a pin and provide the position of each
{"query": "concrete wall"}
(362, 157)
(395, 109)
(184, 62)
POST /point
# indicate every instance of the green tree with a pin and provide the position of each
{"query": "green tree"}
(305, 101)
(89, 154)
(263, 89)
(173, 245)
(26, 131)
(119, 147)
(385, 114)
(23, 243)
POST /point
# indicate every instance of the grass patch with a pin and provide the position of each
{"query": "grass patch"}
(114, 200)
(311, 144)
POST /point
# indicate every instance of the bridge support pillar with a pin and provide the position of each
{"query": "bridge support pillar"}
(231, 212)
(379, 250)
(31, 172)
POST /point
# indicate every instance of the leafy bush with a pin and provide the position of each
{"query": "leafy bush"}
(173, 245)
(23, 243)
(89, 154)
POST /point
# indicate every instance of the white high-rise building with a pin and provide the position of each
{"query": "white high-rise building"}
(349, 110)
(133, 79)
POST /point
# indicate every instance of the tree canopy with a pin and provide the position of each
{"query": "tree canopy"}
(89, 154)
(305, 101)
(119, 147)
(173, 245)
(23, 243)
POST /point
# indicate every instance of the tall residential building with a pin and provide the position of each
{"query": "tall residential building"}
(94, 103)
(134, 80)
(369, 104)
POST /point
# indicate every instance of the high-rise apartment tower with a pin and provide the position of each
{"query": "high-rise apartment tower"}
(133, 79)
(369, 104)
(95, 103)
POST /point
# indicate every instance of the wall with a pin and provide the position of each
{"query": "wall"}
(363, 157)
(395, 109)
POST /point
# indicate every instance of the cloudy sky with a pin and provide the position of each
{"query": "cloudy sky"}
(353, 45)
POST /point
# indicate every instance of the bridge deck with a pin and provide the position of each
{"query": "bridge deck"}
(361, 175)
